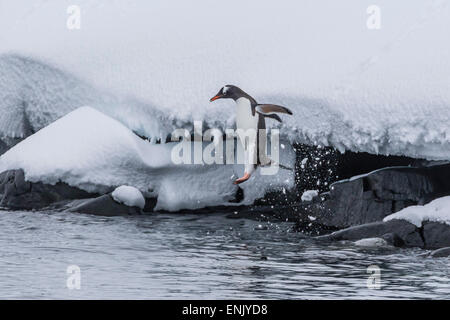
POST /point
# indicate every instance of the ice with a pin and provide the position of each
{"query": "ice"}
(97, 153)
(371, 242)
(437, 210)
(129, 196)
(308, 195)
(154, 68)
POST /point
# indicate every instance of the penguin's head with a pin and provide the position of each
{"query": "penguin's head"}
(227, 92)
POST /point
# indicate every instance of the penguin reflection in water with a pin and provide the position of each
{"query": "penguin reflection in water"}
(251, 115)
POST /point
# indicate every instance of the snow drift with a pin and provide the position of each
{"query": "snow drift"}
(33, 94)
(152, 68)
(96, 153)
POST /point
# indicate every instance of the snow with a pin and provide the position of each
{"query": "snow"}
(436, 211)
(371, 242)
(34, 94)
(97, 153)
(154, 68)
(303, 163)
(129, 196)
(308, 195)
(359, 176)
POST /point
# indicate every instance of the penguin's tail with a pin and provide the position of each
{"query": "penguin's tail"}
(285, 167)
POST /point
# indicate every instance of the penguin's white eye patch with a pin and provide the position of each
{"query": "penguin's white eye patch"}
(225, 89)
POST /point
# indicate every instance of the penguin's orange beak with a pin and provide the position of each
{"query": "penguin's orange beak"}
(215, 98)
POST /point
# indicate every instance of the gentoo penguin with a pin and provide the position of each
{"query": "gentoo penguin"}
(250, 115)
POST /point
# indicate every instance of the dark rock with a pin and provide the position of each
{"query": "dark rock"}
(261, 213)
(3, 147)
(325, 165)
(150, 204)
(436, 235)
(440, 253)
(430, 235)
(103, 206)
(349, 205)
(407, 232)
(372, 197)
(393, 239)
(7, 143)
(239, 195)
(310, 217)
(18, 194)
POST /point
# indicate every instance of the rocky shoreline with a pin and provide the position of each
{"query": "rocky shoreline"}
(18, 194)
(352, 210)
(357, 206)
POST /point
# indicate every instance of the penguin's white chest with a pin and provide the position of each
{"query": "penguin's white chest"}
(244, 117)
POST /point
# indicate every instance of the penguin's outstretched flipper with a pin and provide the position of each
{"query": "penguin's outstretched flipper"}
(271, 110)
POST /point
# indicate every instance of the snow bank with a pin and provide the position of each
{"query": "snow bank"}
(380, 91)
(437, 210)
(129, 196)
(96, 153)
(33, 94)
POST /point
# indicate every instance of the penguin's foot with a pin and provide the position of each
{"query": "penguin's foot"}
(244, 178)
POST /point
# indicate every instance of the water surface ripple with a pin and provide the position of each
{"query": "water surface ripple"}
(168, 256)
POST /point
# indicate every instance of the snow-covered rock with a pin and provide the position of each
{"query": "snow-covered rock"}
(407, 232)
(129, 196)
(94, 152)
(397, 232)
(436, 211)
(371, 242)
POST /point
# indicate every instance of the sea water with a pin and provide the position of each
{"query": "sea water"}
(47, 255)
